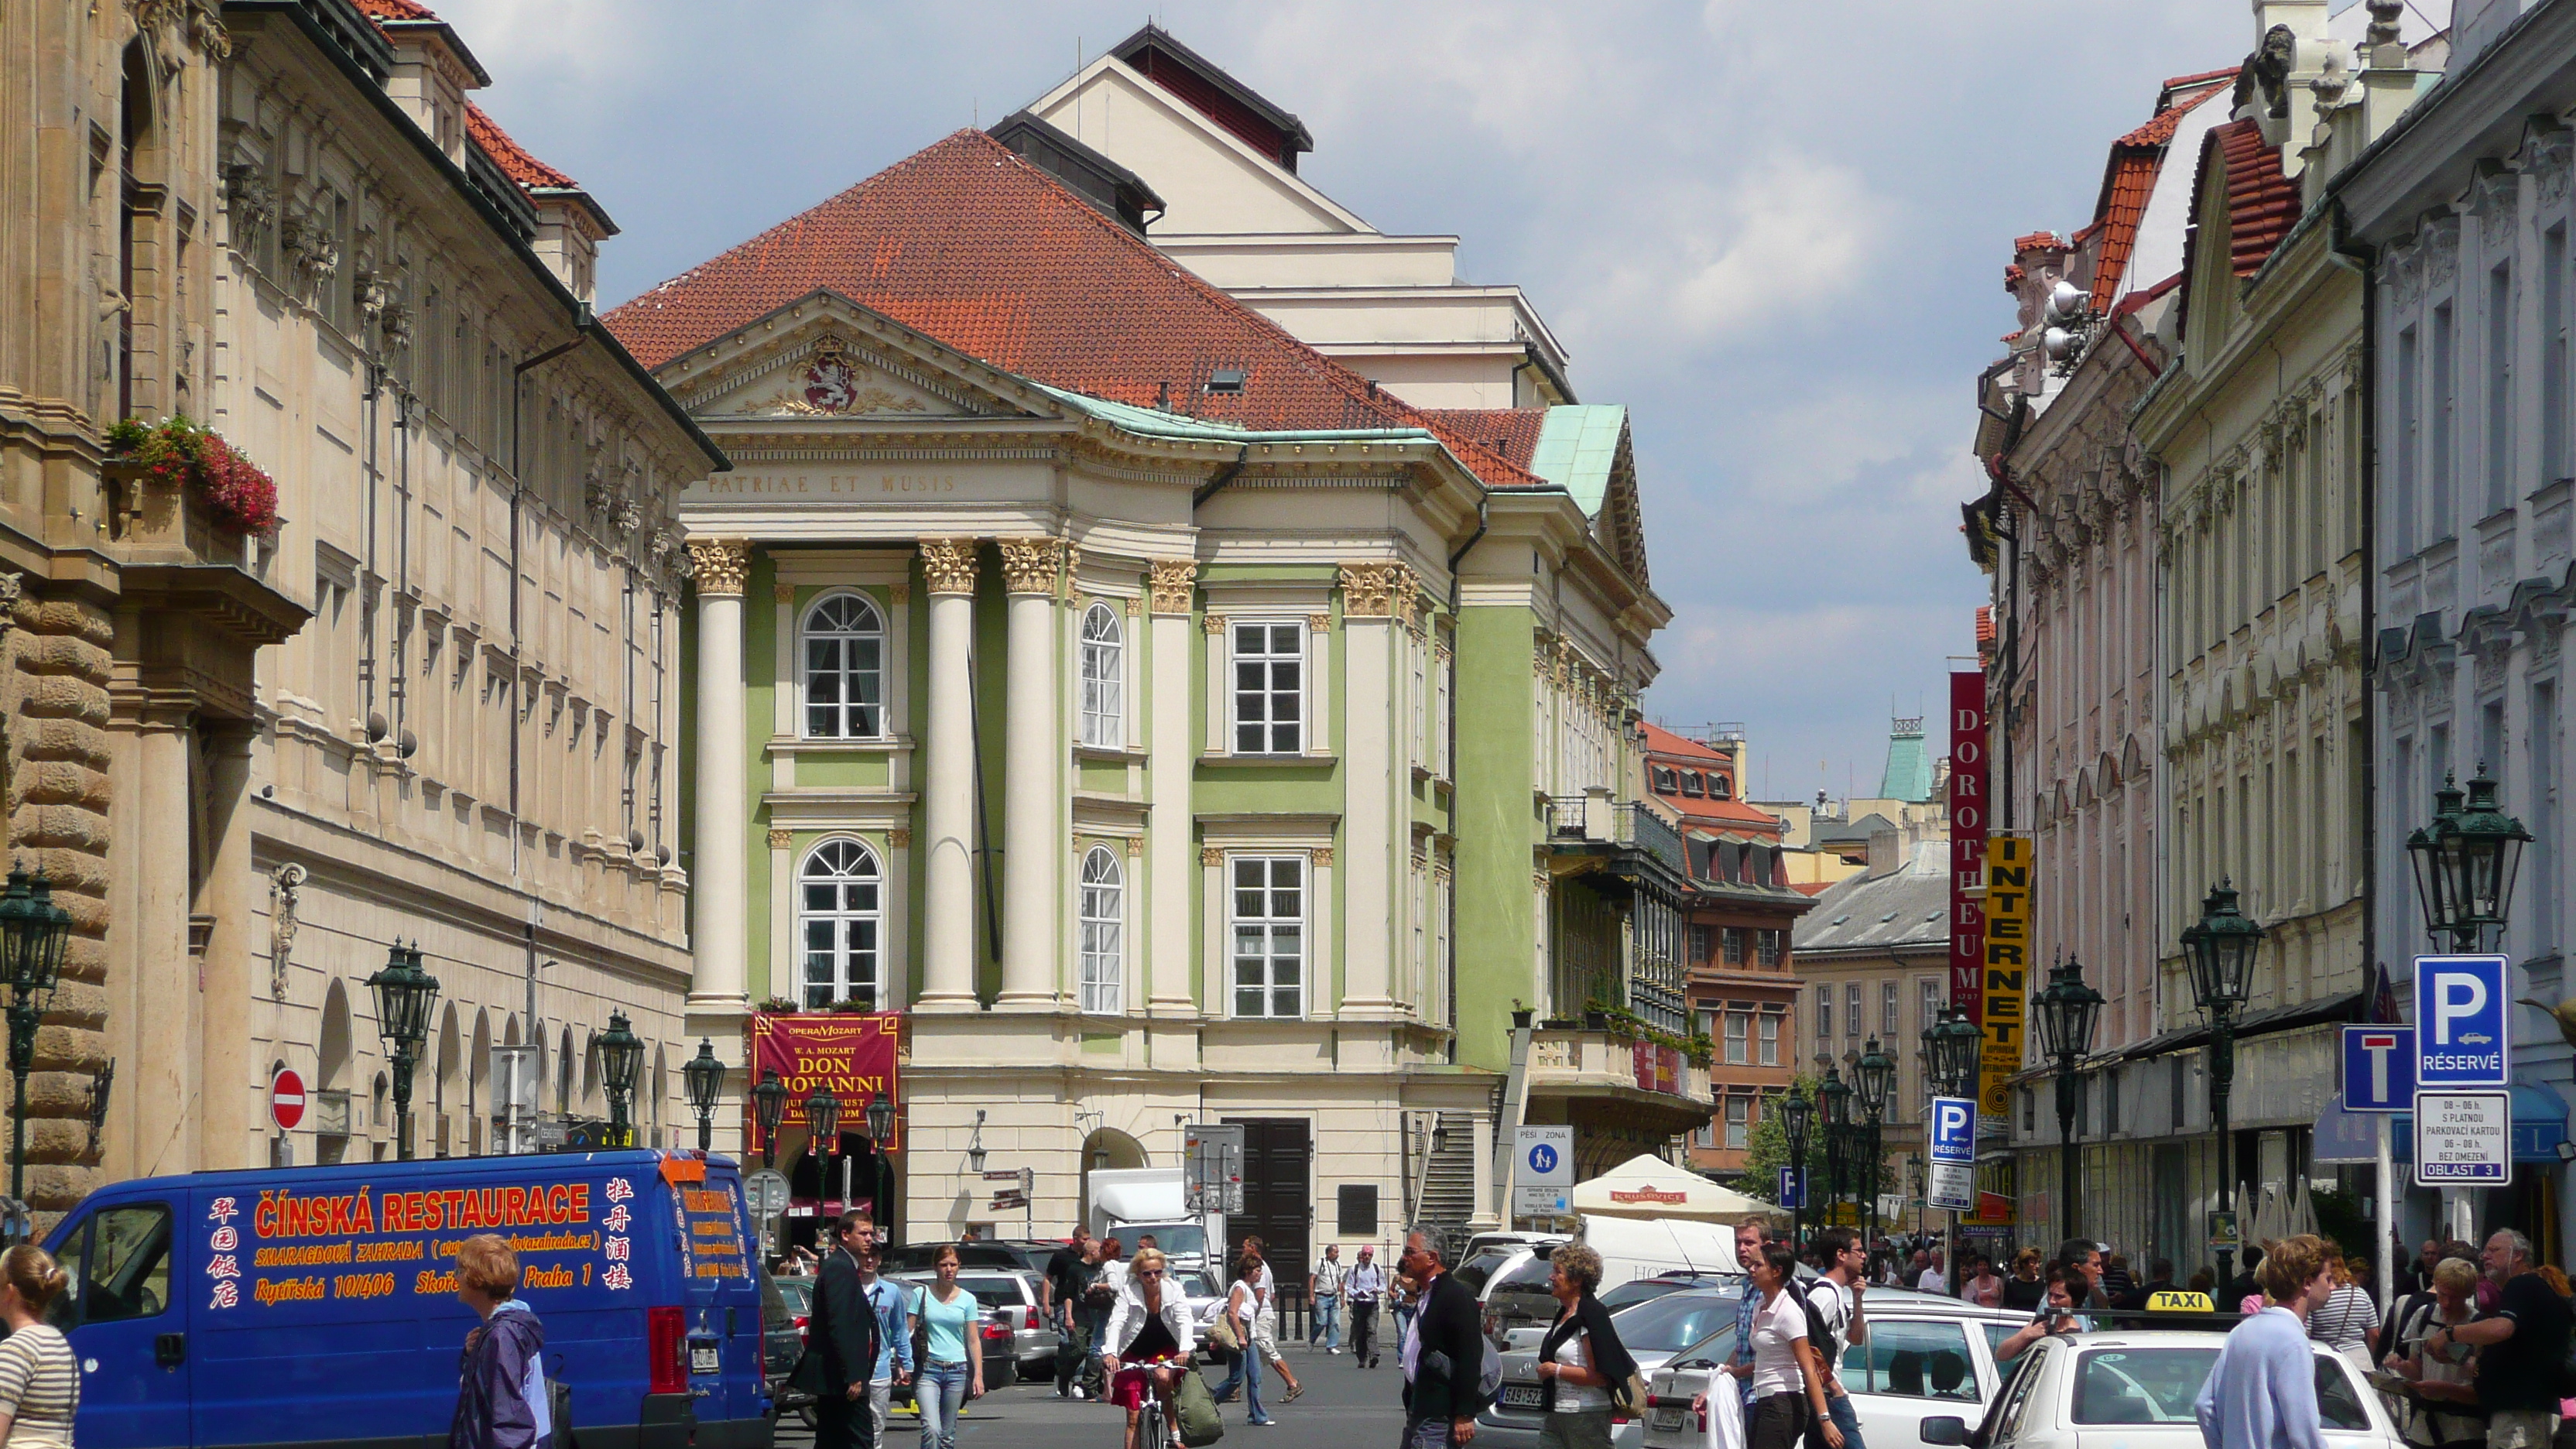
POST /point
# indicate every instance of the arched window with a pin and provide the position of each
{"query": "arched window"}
(837, 912)
(1104, 697)
(1104, 931)
(844, 670)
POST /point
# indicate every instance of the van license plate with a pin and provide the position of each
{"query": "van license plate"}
(1520, 1396)
(702, 1358)
(1666, 1418)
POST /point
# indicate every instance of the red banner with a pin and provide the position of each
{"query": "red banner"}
(851, 1053)
(1967, 841)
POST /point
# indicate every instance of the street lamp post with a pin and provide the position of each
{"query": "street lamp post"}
(769, 1108)
(1835, 1108)
(823, 1122)
(2069, 1013)
(2220, 950)
(1950, 1049)
(1877, 1076)
(704, 1077)
(1796, 1114)
(2465, 863)
(881, 1128)
(404, 995)
(621, 1062)
(34, 932)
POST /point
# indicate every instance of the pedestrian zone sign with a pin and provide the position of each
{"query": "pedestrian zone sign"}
(2463, 1139)
(1542, 1171)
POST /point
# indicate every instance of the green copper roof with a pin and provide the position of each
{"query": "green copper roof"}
(1909, 769)
(1150, 422)
(1577, 446)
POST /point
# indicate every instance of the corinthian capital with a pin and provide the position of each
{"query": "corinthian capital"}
(1374, 590)
(1029, 564)
(718, 564)
(1173, 581)
(948, 565)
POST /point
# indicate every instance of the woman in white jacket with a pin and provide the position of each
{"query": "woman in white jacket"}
(1146, 1347)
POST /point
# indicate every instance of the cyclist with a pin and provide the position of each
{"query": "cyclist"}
(1146, 1346)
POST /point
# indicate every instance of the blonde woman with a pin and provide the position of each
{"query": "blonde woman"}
(39, 1380)
(1146, 1346)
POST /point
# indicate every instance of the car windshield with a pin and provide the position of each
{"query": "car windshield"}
(1530, 1277)
(1473, 1273)
(2141, 1385)
(1639, 1290)
(1667, 1324)
(798, 1292)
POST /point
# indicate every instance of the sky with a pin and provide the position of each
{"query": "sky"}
(1775, 231)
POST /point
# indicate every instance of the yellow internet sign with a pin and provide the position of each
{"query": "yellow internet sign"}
(2007, 911)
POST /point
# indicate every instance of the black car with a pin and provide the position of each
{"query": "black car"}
(784, 1306)
(917, 1257)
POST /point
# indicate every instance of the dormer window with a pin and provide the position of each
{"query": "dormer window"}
(1227, 380)
(1690, 783)
(1720, 788)
(1666, 781)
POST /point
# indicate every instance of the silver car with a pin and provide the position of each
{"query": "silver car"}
(1652, 1332)
(1010, 1299)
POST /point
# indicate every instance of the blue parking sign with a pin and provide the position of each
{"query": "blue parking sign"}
(2378, 1068)
(2460, 1018)
(1954, 1130)
(1793, 1187)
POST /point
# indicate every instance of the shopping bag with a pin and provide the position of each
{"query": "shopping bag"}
(1195, 1408)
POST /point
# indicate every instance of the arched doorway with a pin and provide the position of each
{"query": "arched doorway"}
(1107, 1150)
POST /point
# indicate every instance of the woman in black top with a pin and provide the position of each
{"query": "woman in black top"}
(1583, 1369)
(2025, 1289)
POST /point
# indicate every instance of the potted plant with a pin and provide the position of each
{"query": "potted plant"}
(180, 458)
(775, 1005)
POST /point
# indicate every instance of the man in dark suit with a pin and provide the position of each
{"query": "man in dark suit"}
(840, 1344)
(1440, 1398)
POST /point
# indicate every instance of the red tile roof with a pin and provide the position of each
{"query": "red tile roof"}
(1985, 625)
(394, 10)
(2129, 179)
(2038, 240)
(1511, 432)
(509, 155)
(1705, 811)
(2262, 204)
(973, 246)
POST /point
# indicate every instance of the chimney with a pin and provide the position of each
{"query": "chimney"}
(1886, 851)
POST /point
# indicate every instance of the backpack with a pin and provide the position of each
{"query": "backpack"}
(1819, 1332)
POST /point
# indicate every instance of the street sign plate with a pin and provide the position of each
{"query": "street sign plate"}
(1001, 1174)
(1542, 1171)
(1953, 1187)
(767, 1192)
(286, 1099)
(2463, 1139)
(1793, 1187)
(2461, 1012)
(2378, 1068)
(1954, 1130)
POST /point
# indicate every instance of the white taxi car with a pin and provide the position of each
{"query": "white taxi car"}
(2137, 1388)
(1926, 1355)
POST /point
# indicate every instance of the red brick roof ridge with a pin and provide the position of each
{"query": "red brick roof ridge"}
(632, 321)
(515, 160)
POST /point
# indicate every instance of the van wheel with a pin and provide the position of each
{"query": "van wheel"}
(805, 1416)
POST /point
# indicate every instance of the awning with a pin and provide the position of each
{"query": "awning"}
(2539, 1125)
(2270, 1019)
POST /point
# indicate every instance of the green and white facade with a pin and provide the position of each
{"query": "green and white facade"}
(1161, 771)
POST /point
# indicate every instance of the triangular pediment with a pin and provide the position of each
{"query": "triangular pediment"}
(827, 359)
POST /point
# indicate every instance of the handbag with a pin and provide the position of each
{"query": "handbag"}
(1222, 1334)
(1194, 1411)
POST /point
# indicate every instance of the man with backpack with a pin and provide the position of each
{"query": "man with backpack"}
(1834, 1323)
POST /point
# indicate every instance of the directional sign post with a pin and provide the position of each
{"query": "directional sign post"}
(2379, 1068)
(2461, 1014)
(1953, 1185)
(1542, 1171)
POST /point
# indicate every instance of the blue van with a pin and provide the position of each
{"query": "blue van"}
(317, 1305)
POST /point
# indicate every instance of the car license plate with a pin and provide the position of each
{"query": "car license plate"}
(1520, 1396)
(702, 1358)
(1666, 1418)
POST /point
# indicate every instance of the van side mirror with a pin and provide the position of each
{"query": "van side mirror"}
(1943, 1429)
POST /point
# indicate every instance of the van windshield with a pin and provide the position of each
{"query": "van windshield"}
(1477, 1269)
(1174, 1240)
(1668, 1324)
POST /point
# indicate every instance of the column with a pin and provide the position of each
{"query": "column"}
(1033, 842)
(1169, 765)
(948, 781)
(1371, 596)
(164, 995)
(233, 1113)
(718, 925)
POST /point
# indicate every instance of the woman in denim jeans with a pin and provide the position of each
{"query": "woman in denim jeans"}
(952, 1372)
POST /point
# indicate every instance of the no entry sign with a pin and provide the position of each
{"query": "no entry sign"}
(286, 1099)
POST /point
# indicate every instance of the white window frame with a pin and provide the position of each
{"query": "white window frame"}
(1739, 1122)
(1739, 1039)
(1890, 1002)
(806, 634)
(1766, 1038)
(1272, 630)
(1102, 676)
(1271, 927)
(842, 915)
(1102, 884)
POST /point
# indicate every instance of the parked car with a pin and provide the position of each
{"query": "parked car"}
(1009, 1300)
(918, 1258)
(786, 1304)
(1652, 1332)
(2134, 1388)
(1925, 1353)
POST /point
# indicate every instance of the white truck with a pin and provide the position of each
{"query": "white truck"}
(1130, 1202)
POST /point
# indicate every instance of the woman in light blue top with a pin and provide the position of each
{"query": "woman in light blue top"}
(952, 1370)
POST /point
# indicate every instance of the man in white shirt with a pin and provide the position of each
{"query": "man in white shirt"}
(1836, 1295)
(1324, 1292)
(1363, 1290)
(1933, 1279)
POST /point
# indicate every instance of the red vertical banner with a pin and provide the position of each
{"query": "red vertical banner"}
(1967, 841)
